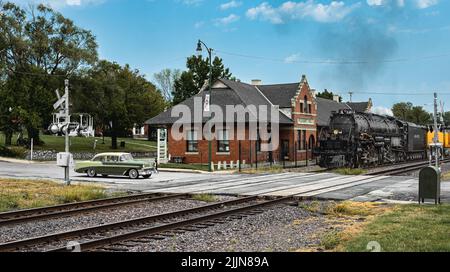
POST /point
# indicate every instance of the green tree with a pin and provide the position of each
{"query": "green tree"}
(402, 110)
(42, 49)
(410, 113)
(165, 80)
(328, 95)
(420, 116)
(118, 97)
(192, 80)
(447, 118)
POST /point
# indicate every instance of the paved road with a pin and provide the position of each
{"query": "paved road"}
(51, 171)
(316, 185)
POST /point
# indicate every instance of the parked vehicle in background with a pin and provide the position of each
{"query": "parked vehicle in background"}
(116, 164)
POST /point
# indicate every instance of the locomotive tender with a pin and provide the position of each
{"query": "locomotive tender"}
(357, 139)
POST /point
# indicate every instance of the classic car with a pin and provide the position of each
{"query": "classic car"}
(116, 164)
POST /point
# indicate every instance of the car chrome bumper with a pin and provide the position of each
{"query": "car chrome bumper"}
(146, 172)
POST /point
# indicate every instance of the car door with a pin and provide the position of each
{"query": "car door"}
(98, 164)
(113, 166)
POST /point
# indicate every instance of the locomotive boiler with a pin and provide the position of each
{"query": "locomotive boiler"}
(364, 139)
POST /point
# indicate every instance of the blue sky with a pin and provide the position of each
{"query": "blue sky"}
(398, 47)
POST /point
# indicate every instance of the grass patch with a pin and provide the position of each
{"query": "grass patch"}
(331, 240)
(446, 176)
(349, 208)
(400, 228)
(26, 194)
(350, 171)
(410, 228)
(275, 169)
(201, 167)
(204, 197)
(312, 207)
(81, 144)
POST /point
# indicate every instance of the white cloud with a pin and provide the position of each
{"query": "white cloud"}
(192, 2)
(400, 3)
(292, 58)
(226, 20)
(382, 111)
(290, 10)
(199, 24)
(423, 4)
(231, 4)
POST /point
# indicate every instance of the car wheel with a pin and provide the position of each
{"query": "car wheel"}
(147, 176)
(91, 173)
(133, 174)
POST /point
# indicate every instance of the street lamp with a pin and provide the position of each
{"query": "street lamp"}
(199, 53)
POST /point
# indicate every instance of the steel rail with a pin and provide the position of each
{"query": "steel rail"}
(16, 245)
(201, 220)
(405, 169)
(21, 216)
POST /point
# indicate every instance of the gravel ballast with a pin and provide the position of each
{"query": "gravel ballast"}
(278, 229)
(94, 218)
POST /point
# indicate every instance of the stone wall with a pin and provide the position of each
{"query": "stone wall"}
(50, 155)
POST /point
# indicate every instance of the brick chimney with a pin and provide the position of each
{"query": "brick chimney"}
(256, 82)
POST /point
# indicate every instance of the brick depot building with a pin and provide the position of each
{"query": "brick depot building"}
(300, 116)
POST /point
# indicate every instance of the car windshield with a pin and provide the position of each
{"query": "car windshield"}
(126, 157)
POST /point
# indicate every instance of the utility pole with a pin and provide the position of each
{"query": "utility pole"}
(208, 97)
(351, 96)
(436, 131)
(67, 139)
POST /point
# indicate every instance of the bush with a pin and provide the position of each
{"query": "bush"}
(13, 152)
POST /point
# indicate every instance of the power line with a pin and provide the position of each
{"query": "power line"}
(400, 93)
(336, 61)
(38, 74)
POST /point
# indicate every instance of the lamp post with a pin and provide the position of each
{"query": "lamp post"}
(199, 53)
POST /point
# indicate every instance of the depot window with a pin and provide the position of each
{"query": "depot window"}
(223, 141)
(192, 141)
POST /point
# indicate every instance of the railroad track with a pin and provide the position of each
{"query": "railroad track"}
(125, 234)
(21, 216)
(404, 168)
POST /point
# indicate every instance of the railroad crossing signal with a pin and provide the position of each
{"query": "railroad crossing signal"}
(61, 100)
(64, 159)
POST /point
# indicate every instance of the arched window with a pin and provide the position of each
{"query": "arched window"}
(305, 105)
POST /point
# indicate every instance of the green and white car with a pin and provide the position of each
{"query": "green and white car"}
(116, 164)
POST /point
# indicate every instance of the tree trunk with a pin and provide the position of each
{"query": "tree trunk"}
(33, 133)
(113, 140)
(8, 138)
(113, 137)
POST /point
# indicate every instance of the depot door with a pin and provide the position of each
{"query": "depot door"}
(285, 150)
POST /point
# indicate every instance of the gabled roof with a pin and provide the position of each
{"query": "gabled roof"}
(234, 93)
(359, 106)
(280, 94)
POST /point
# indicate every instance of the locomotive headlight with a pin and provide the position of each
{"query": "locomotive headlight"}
(336, 132)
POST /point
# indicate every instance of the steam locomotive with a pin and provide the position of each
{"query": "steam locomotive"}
(363, 139)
